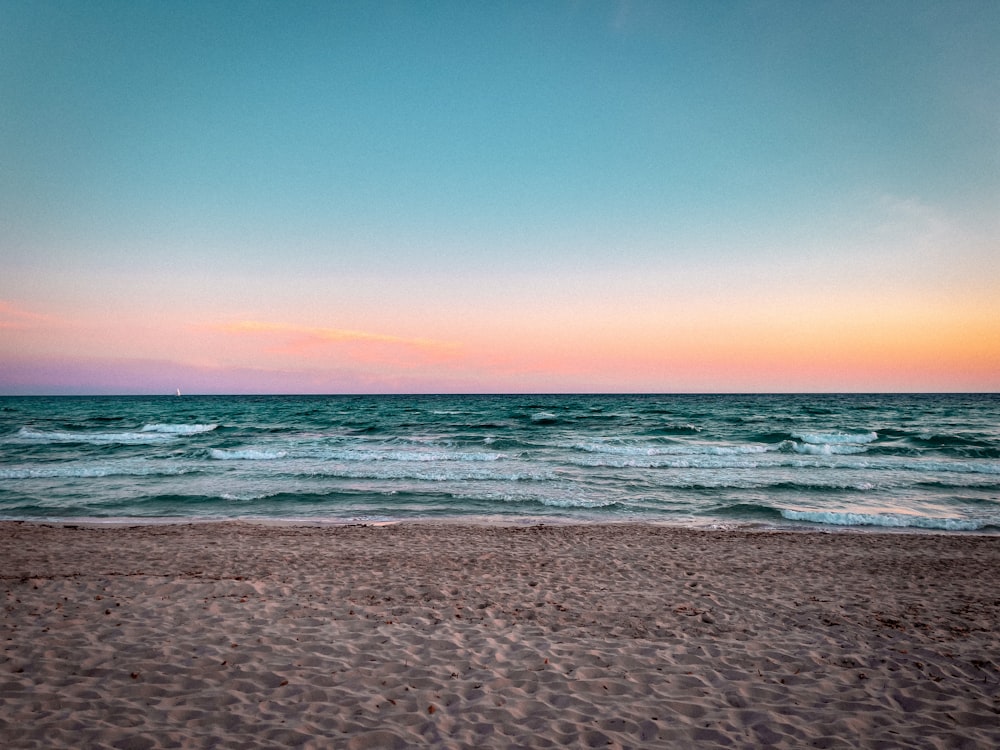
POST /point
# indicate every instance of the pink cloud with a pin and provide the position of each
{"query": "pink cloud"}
(13, 317)
(362, 346)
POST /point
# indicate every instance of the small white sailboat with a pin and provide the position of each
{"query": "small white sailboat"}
(178, 391)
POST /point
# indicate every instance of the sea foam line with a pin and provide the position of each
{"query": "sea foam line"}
(552, 502)
(360, 456)
(96, 438)
(245, 454)
(835, 438)
(83, 472)
(149, 433)
(390, 472)
(881, 519)
(826, 449)
(179, 429)
(690, 449)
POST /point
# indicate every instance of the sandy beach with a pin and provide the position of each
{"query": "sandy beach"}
(244, 635)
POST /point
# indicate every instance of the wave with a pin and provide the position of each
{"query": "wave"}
(818, 462)
(397, 472)
(825, 449)
(361, 456)
(502, 442)
(83, 472)
(244, 497)
(320, 504)
(683, 458)
(149, 433)
(179, 429)
(666, 462)
(93, 438)
(963, 483)
(687, 449)
(532, 498)
(674, 429)
(882, 519)
(829, 443)
(944, 467)
(901, 442)
(745, 510)
(544, 417)
(766, 484)
(414, 456)
(770, 437)
(575, 502)
(835, 438)
(961, 445)
(246, 454)
(935, 436)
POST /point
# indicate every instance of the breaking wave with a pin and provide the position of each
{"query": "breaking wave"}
(179, 429)
(93, 438)
(882, 519)
(688, 449)
(248, 454)
(83, 472)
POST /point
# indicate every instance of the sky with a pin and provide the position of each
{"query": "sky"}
(550, 196)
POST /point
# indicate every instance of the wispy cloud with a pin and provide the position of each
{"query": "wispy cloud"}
(917, 220)
(14, 317)
(303, 340)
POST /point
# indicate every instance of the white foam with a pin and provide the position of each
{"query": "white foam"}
(880, 519)
(827, 449)
(246, 496)
(179, 429)
(918, 465)
(82, 472)
(666, 462)
(97, 438)
(575, 502)
(408, 456)
(835, 438)
(543, 416)
(685, 449)
(246, 454)
(401, 471)
(552, 502)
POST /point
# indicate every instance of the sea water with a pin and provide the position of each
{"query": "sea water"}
(805, 461)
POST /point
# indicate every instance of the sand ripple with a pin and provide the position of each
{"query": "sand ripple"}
(454, 636)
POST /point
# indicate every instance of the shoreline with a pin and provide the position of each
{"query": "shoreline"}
(499, 521)
(458, 635)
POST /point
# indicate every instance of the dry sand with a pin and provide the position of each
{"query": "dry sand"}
(243, 635)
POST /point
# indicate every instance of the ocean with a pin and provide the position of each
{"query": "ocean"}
(929, 462)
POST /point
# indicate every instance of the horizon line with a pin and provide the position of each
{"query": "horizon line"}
(453, 394)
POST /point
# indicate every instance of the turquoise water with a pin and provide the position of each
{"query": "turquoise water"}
(920, 461)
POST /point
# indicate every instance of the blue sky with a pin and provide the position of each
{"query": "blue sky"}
(559, 174)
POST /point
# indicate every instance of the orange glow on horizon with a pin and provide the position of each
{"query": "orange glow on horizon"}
(886, 346)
